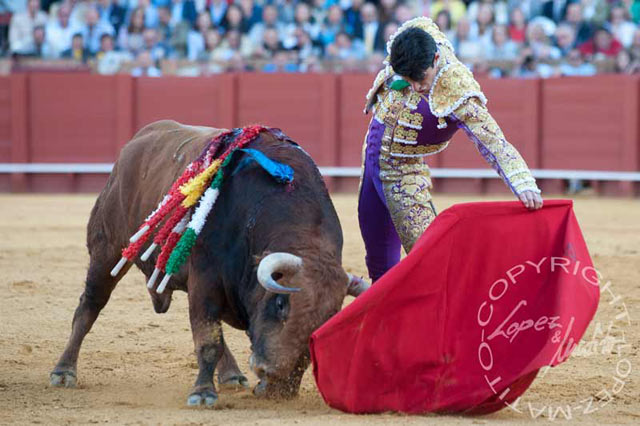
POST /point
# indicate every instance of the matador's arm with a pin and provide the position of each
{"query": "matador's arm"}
(474, 118)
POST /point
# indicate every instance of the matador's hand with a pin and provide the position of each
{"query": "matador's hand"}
(531, 200)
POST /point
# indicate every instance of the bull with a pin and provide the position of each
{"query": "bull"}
(268, 260)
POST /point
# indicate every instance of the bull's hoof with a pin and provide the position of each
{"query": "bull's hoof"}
(205, 398)
(234, 382)
(60, 379)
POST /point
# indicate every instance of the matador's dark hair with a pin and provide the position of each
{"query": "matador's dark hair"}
(412, 52)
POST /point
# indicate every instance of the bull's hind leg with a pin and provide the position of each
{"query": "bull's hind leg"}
(97, 291)
(229, 375)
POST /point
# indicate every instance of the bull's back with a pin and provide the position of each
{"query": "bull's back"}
(144, 172)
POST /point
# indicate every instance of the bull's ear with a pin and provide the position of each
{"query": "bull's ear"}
(258, 257)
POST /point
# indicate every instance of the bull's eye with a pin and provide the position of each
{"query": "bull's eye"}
(280, 307)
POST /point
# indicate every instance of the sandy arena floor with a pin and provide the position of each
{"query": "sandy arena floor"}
(137, 367)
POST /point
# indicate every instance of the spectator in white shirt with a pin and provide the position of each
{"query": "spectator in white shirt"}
(22, 25)
(196, 37)
(621, 27)
(94, 29)
(60, 32)
(146, 67)
(501, 48)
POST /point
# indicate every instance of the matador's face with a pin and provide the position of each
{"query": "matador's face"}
(424, 85)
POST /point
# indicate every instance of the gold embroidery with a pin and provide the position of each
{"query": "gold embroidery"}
(490, 141)
(408, 135)
(398, 149)
(406, 184)
(407, 118)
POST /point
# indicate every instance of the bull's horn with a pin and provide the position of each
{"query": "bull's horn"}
(356, 285)
(276, 262)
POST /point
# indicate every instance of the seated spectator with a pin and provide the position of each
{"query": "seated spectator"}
(601, 45)
(78, 51)
(282, 61)
(270, 44)
(333, 25)
(467, 49)
(145, 67)
(345, 48)
(319, 10)
(302, 20)
(41, 48)
(183, 11)
(528, 67)
(456, 8)
(212, 41)
(112, 13)
(517, 26)
(60, 31)
(150, 13)
(404, 13)
(482, 28)
(582, 29)
(251, 11)
(165, 28)
(218, 10)
(499, 8)
(565, 38)
(554, 9)
(234, 19)
(386, 10)
(443, 21)
(370, 32)
(94, 28)
(305, 47)
(528, 8)
(389, 29)
(110, 61)
(270, 19)
(196, 37)
(152, 45)
(500, 48)
(575, 65)
(623, 63)
(22, 25)
(540, 44)
(634, 49)
(596, 11)
(130, 38)
(237, 43)
(352, 16)
(107, 44)
(621, 27)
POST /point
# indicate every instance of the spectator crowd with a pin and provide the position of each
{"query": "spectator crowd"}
(526, 38)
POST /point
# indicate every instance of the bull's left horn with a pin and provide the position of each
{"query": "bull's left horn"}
(276, 262)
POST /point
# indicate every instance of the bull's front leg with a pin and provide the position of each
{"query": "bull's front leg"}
(206, 327)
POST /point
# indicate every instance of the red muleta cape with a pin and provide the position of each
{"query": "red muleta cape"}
(489, 294)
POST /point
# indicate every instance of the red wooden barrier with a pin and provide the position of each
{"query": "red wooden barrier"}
(304, 106)
(569, 123)
(591, 123)
(203, 101)
(515, 105)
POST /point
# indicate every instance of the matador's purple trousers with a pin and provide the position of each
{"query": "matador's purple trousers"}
(381, 240)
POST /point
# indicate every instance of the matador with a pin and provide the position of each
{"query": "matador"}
(422, 96)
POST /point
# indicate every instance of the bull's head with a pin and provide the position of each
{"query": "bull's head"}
(301, 294)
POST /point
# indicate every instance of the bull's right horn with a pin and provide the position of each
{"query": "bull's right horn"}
(276, 262)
